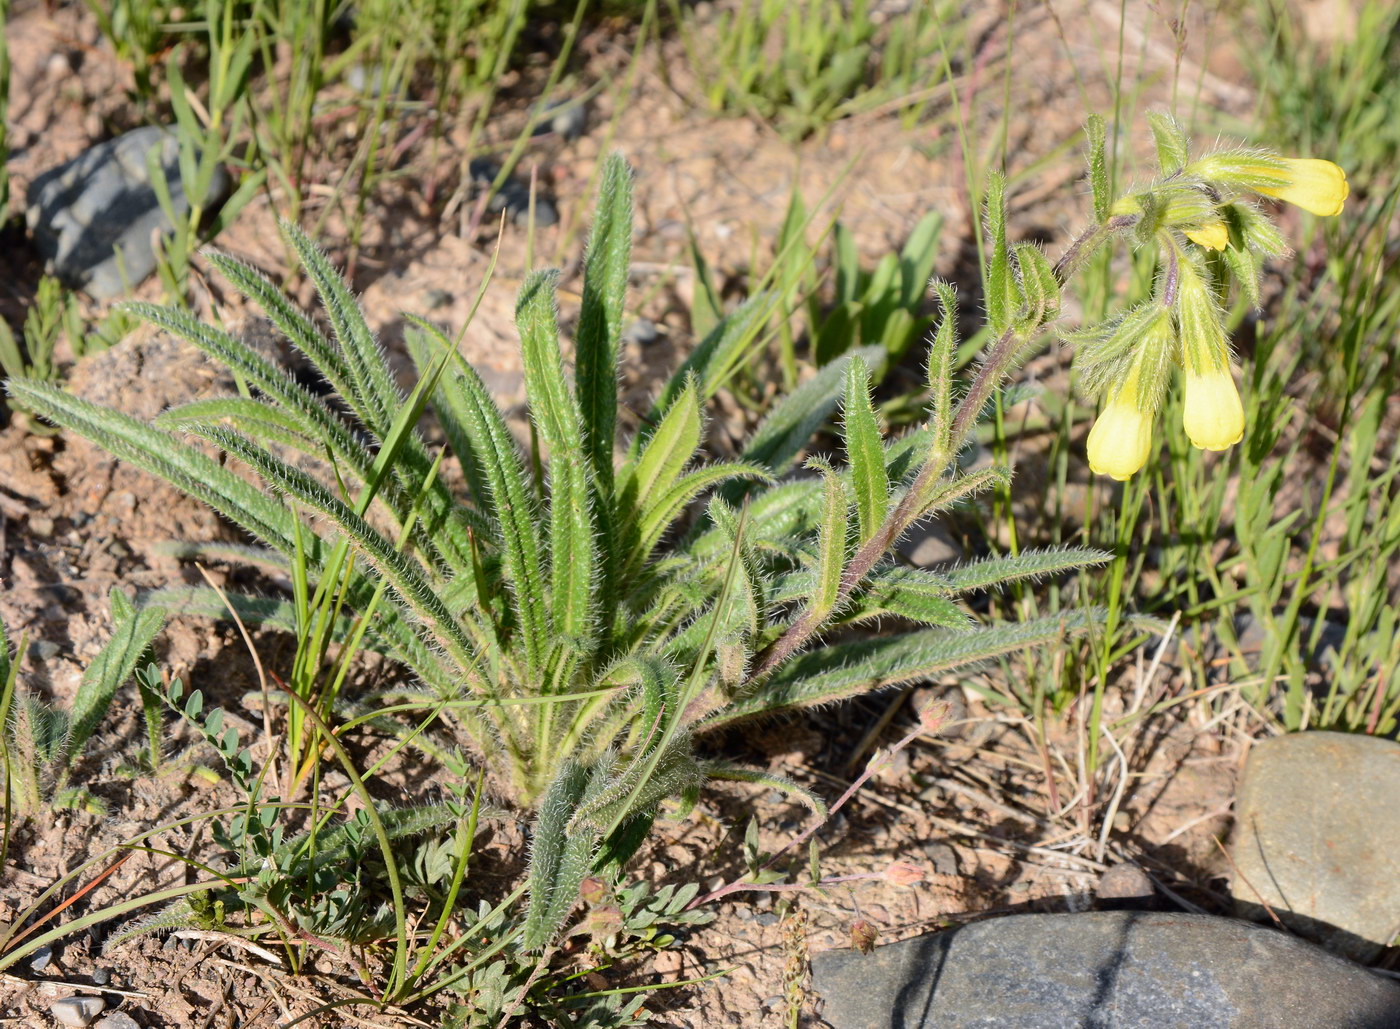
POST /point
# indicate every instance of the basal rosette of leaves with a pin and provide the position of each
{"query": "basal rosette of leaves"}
(586, 607)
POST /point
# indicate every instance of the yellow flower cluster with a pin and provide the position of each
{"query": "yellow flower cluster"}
(1121, 440)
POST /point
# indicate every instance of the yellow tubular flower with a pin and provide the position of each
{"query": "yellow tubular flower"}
(1214, 417)
(1121, 438)
(1212, 236)
(1313, 185)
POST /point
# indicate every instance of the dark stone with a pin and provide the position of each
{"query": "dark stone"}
(1317, 839)
(568, 118)
(512, 197)
(1107, 970)
(103, 201)
(943, 856)
(642, 332)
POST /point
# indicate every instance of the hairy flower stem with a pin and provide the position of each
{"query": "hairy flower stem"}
(909, 510)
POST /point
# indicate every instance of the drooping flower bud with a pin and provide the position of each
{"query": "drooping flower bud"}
(1121, 438)
(1214, 416)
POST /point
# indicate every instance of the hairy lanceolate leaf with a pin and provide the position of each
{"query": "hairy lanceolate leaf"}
(652, 472)
(1173, 151)
(371, 382)
(1098, 168)
(726, 772)
(1003, 295)
(831, 546)
(291, 322)
(668, 503)
(555, 412)
(600, 316)
(940, 367)
(400, 571)
(516, 519)
(160, 453)
(559, 859)
(866, 452)
(1039, 287)
(113, 665)
(843, 670)
(1029, 564)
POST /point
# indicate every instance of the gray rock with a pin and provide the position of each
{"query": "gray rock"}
(512, 197)
(41, 959)
(1108, 970)
(642, 332)
(76, 1011)
(1317, 839)
(117, 1020)
(929, 544)
(942, 855)
(566, 117)
(103, 201)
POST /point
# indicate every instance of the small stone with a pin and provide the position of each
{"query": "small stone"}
(101, 976)
(642, 332)
(77, 1011)
(1108, 969)
(84, 211)
(1123, 886)
(40, 525)
(568, 118)
(546, 213)
(41, 959)
(1317, 839)
(943, 857)
(44, 650)
(929, 544)
(767, 918)
(117, 1020)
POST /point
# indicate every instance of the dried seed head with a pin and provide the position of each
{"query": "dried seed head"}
(864, 933)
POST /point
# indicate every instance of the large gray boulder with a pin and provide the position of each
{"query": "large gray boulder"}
(1317, 839)
(1102, 970)
(103, 201)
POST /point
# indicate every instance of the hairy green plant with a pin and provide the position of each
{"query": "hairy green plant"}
(42, 743)
(578, 617)
(53, 315)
